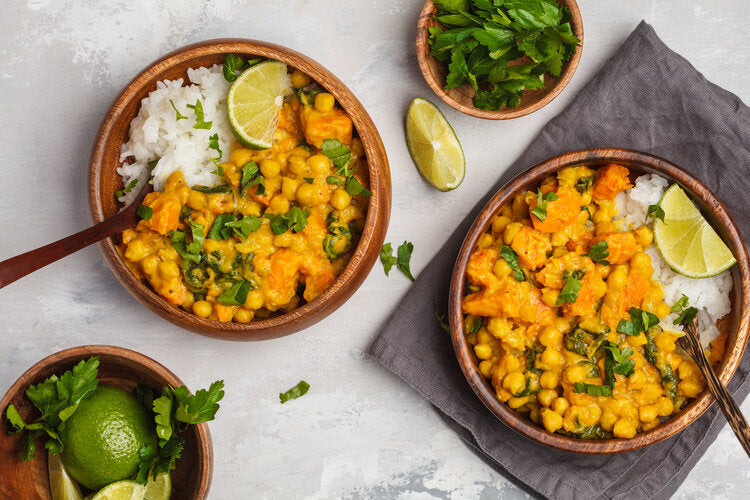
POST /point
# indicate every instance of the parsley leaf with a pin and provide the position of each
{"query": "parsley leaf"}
(295, 392)
(179, 116)
(591, 389)
(199, 118)
(656, 212)
(213, 143)
(144, 212)
(681, 304)
(640, 321)
(243, 227)
(404, 256)
(511, 257)
(616, 362)
(337, 152)
(540, 211)
(222, 188)
(309, 180)
(334, 180)
(353, 187)
(687, 313)
(236, 295)
(233, 66)
(202, 406)
(476, 325)
(295, 219)
(387, 258)
(196, 245)
(219, 230)
(599, 253)
(127, 188)
(570, 289)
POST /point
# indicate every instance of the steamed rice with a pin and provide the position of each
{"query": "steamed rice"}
(709, 295)
(156, 134)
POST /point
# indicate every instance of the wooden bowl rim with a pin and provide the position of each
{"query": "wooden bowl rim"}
(74, 354)
(569, 68)
(376, 222)
(535, 174)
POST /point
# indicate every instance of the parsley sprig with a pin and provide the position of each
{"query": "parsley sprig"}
(572, 286)
(640, 321)
(656, 212)
(511, 257)
(401, 260)
(295, 392)
(57, 398)
(200, 122)
(540, 210)
(599, 253)
(341, 157)
(687, 312)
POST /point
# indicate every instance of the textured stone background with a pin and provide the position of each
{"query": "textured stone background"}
(360, 432)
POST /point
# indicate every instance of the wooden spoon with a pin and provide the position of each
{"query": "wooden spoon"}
(691, 343)
(26, 263)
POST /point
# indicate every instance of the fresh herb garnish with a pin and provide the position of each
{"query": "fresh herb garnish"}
(616, 362)
(640, 321)
(127, 188)
(511, 257)
(179, 243)
(144, 212)
(478, 39)
(583, 184)
(233, 66)
(199, 118)
(687, 312)
(387, 258)
(222, 188)
(334, 180)
(179, 116)
(246, 225)
(196, 245)
(295, 392)
(656, 212)
(236, 295)
(570, 289)
(439, 317)
(337, 152)
(57, 398)
(213, 143)
(476, 325)
(173, 411)
(681, 304)
(295, 219)
(599, 253)
(251, 177)
(353, 187)
(540, 211)
(308, 180)
(218, 230)
(591, 389)
(404, 256)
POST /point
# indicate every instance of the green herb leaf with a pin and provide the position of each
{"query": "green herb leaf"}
(404, 256)
(236, 295)
(309, 180)
(387, 258)
(152, 164)
(219, 229)
(476, 325)
(354, 188)
(334, 180)
(640, 321)
(297, 219)
(439, 317)
(279, 223)
(570, 289)
(583, 184)
(127, 188)
(213, 143)
(14, 419)
(656, 212)
(687, 316)
(202, 406)
(162, 407)
(243, 227)
(223, 188)
(233, 66)
(591, 389)
(616, 362)
(295, 392)
(540, 211)
(144, 212)
(681, 304)
(337, 152)
(179, 116)
(196, 245)
(199, 118)
(147, 456)
(249, 171)
(511, 257)
(599, 253)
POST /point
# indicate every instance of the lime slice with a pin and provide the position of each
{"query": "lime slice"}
(121, 490)
(433, 146)
(686, 240)
(61, 486)
(254, 101)
(159, 488)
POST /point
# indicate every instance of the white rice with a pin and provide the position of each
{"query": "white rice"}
(157, 134)
(709, 295)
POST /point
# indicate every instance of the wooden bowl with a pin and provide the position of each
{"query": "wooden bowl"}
(736, 323)
(461, 98)
(118, 366)
(104, 181)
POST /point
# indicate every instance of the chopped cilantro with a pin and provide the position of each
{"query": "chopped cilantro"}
(540, 211)
(199, 118)
(179, 116)
(599, 253)
(511, 257)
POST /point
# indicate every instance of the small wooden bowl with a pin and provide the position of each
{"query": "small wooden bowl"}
(736, 323)
(104, 181)
(461, 98)
(118, 366)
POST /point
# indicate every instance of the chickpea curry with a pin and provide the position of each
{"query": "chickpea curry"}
(563, 314)
(275, 234)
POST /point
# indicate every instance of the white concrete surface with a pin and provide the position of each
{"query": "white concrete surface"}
(360, 432)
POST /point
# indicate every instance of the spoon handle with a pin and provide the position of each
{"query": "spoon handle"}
(21, 265)
(726, 402)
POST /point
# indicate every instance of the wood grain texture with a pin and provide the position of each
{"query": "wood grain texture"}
(461, 98)
(19, 266)
(736, 323)
(118, 366)
(104, 181)
(692, 344)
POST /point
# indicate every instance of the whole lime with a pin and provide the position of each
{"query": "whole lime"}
(102, 438)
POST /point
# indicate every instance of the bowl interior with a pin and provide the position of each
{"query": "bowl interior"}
(461, 98)
(104, 181)
(732, 324)
(123, 368)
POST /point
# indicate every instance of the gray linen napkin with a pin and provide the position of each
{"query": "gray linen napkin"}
(646, 97)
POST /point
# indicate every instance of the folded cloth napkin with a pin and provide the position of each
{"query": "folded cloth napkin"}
(648, 98)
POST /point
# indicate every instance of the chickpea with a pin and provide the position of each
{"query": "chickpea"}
(516, 403)
(690, 388)
(279, 204)
(549, 379)
(647, 413)
(623, 429)
(663, 310)
(324, 102)
(485, 241)
(552, 358)
(196, 200)
(589, 415)
(552, 420)
(340, 199)
(240, 156)
(168, 270)
(499, 327)
(254, 299)
(270, 168)
(559, 239)
(575, 374)
(665, 342)
(149, 265)
(283, 240)
(664, 406)
(501, 269)
(485, 368)
(202, 308)
(550, 336)
(484, 337)
(300, 79)
(483, 351)
(499, 224)
(136, 250)
(308, 194)
(319, 163)
(298, 166)
(546, 396)
(644, 236)
(510, 232)
(607, 420)
(550, 296)
(514, 382)
(618, 278)
(503, 395)
(243, 315)
(560, 405)
(356, 148)
(687, 369)
(641, 261)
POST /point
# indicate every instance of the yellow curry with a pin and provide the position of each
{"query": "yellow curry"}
(563, 315)
(276, 234)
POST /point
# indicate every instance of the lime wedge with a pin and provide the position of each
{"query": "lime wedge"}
(254, 101)
(433, 146)
(61, 485)
(121, 490)
(686, 240)
(159, 488)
